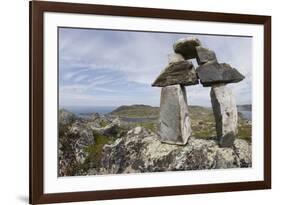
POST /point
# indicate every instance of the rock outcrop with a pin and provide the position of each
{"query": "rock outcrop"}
(108, 130)
(66, 117)
(118, 148)
(141, 151)
(76, 135)
(72, 143)
(174, 121)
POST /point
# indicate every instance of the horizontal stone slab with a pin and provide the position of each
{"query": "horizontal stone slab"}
(182, 73)
(186, 47)
(216, 73)
(175, 58)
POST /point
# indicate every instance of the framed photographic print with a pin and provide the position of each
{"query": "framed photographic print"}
(139, 102)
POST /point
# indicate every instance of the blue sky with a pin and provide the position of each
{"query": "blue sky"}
(113, 68)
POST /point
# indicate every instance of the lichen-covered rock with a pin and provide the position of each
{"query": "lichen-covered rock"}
(174, 120)
(244, 151)
(110, 129)
(73, 139)
(182, 73)
(226, 115)
(77, 139)
(186, 47)
(83, 138)
(143, 152)
(95, 120)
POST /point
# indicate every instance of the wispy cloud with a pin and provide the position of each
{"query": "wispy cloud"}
(101, 67)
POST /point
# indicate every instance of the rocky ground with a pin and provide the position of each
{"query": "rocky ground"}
(126, 142)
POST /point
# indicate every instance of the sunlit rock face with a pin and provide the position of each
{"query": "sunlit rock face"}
(174, 121)
(226, 115)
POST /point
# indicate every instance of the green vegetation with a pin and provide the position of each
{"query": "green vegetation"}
(95, 150)
(245, 131)
(152, 126)
(202, 122)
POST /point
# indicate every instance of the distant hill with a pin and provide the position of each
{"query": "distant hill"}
(136, 111)
(147, 111)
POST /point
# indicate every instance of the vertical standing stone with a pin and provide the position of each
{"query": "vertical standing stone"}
(225, 112)
(174, 127)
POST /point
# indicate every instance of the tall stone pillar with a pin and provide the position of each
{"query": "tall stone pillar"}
(225, 112)
(174, 121)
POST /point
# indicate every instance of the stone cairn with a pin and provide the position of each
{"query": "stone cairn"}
(174, 121)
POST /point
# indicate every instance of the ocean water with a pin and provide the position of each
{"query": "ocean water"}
(246, 114)
(88, 109)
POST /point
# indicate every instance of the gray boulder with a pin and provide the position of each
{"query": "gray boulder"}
(216, 73)
(96, 120)
(182, 72)
(66, 117)
(186, 47)
(226, 115)
(143, 152)
(109, 130)
(205, 55)
(174, 121)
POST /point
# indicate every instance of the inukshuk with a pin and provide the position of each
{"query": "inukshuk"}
(174, 121)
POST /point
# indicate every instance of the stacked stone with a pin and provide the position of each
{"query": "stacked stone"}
(174, 121)
(217, 75)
